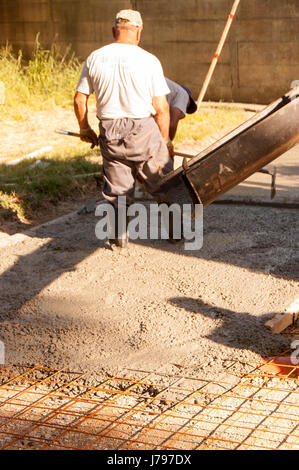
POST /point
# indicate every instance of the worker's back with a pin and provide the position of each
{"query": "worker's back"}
(124, 79)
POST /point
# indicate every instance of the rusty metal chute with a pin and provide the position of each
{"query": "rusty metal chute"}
(242, 152)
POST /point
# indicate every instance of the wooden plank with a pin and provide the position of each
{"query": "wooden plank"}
(282, 320)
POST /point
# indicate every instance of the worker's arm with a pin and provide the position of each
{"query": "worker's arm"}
(81, 111)
(175, 115)
(162, 118)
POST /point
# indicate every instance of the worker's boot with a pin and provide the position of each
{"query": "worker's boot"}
(119, 229)
(119, 242)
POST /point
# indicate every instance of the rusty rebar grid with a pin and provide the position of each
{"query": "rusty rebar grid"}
(41, 408)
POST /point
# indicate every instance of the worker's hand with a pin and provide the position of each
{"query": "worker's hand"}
(89, 135)
(170, 148)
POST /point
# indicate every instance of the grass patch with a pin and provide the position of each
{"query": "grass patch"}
(49, 78)
(44, 82)
(24, 190)
(208, 122)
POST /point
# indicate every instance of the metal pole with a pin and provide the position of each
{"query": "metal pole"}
(217, 53)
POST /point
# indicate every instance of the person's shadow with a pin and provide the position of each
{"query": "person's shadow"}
(238, 330)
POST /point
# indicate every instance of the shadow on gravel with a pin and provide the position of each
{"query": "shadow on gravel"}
(260, 239)
(257, 239)
(238, 330)
(33, 272)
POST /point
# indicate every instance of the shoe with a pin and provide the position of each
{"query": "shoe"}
(121, 239)
(119, 242)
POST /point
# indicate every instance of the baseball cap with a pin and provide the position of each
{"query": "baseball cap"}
(192, 106)
(129, 17)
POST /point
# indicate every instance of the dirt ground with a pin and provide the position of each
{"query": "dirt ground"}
(68, 301)
(38, 131)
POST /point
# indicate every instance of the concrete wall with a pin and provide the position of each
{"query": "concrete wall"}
(258, 63)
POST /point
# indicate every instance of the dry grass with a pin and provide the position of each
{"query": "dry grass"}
(24, 189)
(48, 78)
(209, 122)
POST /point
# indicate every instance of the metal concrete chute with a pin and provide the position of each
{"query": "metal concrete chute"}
(242, 152)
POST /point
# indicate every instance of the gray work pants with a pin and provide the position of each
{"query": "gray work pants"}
(131, 148)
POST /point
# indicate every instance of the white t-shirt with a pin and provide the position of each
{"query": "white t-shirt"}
(178, 97)
(125, 78)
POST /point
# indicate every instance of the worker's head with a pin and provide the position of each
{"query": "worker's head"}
(127, 27)
(192, 106)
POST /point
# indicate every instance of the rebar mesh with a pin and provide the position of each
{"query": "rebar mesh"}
(41, 408)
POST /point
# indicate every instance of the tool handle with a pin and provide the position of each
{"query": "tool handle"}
(73, 134)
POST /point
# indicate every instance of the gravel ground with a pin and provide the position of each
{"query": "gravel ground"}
(68, 301)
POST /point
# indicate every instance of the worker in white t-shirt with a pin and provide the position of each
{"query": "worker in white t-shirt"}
(180, 102)
(133, 111)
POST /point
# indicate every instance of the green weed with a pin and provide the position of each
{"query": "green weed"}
(24, 189)
(48, 78)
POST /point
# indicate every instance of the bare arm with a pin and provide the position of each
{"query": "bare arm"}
(175, 115)
(162, 118)
(81, 111)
